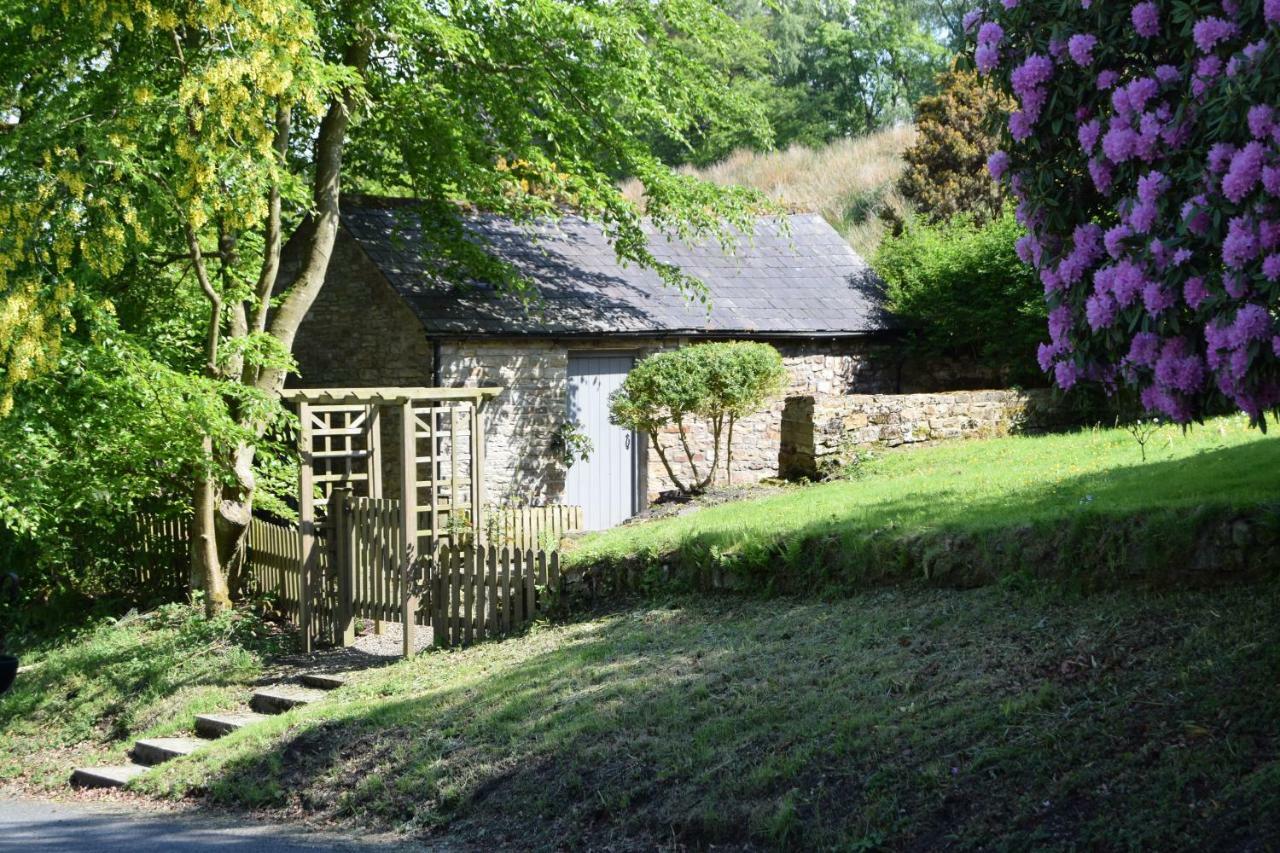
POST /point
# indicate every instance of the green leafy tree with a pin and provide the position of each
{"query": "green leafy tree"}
(965, 292)
(156, 155)
(946, 169)
(718, 382)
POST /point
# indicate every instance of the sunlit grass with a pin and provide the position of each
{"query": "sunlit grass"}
(983, 484)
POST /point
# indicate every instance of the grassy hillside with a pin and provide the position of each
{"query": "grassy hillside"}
(86, 698)
(906, 719)
(1081, 502)
(848, 182)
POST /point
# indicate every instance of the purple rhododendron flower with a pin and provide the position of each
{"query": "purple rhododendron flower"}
(1220, 154)
(1244, 173)
(1146, 19)
(1151, 186)
(1194, 292)
(1168, 74)
(1261, 121)
(1157, 298)
(991, 33)
(970, 19)
(1271, 267)
(1087, 133)
(1271, 180)
(1241, 243)
(1107, 79)
(1100, 310)
(1271, 11)
(1009, 5)
(998, 164)
(1114, 239)
(1253, 323)
(1065, 373)
(1181, 256)
(1081, 46)
(1120, 141)
(1144, 349)
(1142, 218)
(1020, 125)
(1269, 234)
(1208, 32)
(987, 58)
(1100, 170)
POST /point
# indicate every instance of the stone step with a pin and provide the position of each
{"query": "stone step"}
(158, 750)
(217, 725)
(106, 777)
(282, 697)
(325, 680)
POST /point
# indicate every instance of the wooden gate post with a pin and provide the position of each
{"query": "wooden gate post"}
(408, 522)
(306, 524)
(343, 542)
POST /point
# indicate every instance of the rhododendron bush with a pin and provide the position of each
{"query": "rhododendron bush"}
(1144, 152)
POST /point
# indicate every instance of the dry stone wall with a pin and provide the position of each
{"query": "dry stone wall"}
(820, 430)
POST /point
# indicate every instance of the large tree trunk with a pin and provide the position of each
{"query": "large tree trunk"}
(223, 512)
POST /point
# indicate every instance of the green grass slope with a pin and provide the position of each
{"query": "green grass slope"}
(88, 697)
(1081, 503)
(903, 719)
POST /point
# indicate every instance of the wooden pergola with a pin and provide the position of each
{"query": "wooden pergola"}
(340, 447)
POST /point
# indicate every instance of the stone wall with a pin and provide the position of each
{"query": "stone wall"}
(818, 430)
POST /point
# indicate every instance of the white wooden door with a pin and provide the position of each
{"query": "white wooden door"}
(604, 485)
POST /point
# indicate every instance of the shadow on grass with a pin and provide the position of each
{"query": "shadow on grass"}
(906, 719)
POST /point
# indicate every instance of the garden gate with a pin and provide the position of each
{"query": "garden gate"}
(438, 466)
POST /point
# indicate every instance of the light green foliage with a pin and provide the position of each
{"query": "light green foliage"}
(884, 721)
(963, 287)
(718, 382)
(87, 696)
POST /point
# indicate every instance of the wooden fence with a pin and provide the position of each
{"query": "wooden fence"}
(530, 526)
(463, 591)
(473, 593)
(161, 553)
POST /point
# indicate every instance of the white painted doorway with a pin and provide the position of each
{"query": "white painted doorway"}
(604, 485)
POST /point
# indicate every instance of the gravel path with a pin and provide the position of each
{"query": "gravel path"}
(370, 650)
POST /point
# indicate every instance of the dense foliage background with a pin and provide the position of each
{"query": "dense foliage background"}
(961, 286)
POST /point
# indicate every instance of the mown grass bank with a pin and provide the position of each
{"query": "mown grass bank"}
(1082, 508)
(85, 698)
(904, 719)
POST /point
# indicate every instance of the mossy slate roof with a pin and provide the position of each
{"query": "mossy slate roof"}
(802, 281)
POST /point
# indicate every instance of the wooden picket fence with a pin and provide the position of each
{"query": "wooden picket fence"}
(160, 553)
(530, 526)
(477, 592)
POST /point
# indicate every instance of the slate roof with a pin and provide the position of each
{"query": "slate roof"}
(805, 283)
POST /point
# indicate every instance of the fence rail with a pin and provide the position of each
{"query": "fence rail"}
(474, 593)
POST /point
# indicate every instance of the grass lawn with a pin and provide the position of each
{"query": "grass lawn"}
(970, 488)
(907, 718)
(87, 698)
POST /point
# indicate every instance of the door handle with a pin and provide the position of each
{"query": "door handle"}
(626, 442)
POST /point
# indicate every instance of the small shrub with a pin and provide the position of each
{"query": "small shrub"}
(719, 382)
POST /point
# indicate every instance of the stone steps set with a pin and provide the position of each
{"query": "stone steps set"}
(148, 752)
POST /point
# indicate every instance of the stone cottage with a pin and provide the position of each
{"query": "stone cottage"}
(385, 317)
